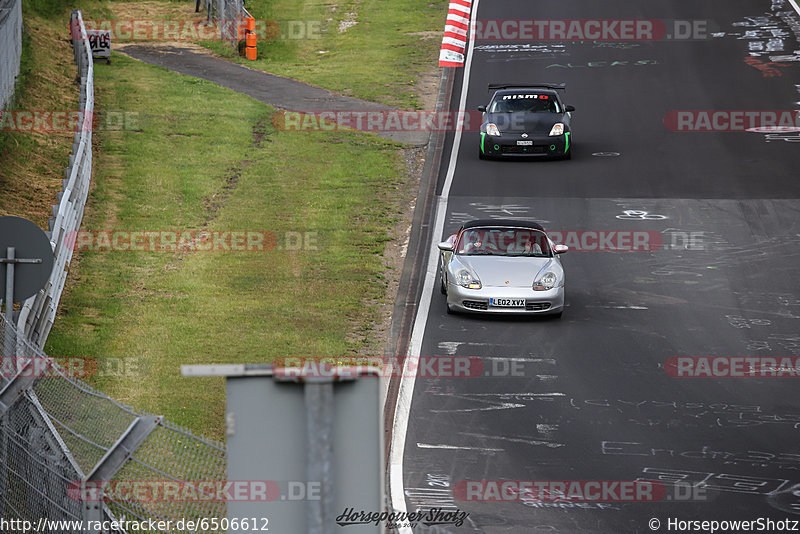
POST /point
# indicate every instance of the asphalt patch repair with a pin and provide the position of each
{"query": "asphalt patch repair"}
(277, 91)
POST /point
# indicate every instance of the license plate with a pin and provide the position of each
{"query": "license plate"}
(508, 303)
(525, 143)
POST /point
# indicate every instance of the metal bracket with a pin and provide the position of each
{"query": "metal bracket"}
(110, 464)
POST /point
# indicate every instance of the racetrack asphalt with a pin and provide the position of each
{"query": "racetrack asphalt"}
(587, 397)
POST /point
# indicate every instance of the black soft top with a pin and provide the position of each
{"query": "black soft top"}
(511, 223)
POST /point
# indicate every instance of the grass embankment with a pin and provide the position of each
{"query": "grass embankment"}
(368, 49)
(32, 163)
(200, 157)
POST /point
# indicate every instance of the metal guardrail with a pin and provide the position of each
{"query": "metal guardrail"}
(57, 433)
(38, 312)
(10, 48)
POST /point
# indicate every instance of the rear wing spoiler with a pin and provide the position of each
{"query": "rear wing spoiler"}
(555, 86)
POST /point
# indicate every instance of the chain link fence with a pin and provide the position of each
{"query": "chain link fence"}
(58, 435)
(228, 15)
(10, 48)
(56, 431)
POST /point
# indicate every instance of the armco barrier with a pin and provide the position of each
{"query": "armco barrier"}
(57, 433)
(38, 312)
(10, 48)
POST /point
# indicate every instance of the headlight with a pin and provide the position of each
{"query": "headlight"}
(491, 129)
(558, 129)
(465, 278)
(548, 281)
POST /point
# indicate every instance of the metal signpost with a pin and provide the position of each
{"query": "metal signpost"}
(26, 261)
(315, 439)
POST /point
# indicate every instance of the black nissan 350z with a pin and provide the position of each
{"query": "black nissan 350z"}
(526, 121)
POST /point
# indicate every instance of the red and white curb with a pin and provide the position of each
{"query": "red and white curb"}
(454, 41)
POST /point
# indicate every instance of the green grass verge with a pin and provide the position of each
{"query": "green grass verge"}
(378, 59)
(204, 157)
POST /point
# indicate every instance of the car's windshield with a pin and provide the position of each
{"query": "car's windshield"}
(499, 241)
(524, 103)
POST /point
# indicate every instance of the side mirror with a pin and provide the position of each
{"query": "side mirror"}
(560, 249)
(445, 246)
(569, 108)
(482, 109)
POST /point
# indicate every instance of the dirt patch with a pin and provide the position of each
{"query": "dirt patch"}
(394, 254)
(155, 11)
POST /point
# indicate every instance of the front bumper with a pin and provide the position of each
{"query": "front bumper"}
(477, 300)
(507, 145)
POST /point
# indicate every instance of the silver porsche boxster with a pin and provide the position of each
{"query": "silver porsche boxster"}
(502, 266)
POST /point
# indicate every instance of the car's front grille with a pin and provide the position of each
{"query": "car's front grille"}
(475, 304)
(537, 306)
(514, 149)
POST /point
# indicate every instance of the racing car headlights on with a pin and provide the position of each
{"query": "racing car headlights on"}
(466, 278)
(558, 129)
(547, 281)
(491, 129)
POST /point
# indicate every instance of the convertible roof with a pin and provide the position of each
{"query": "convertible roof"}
(513, 223)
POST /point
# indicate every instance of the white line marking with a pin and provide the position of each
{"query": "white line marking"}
(501, 406)
(795, 5)
(537, 442)
(618, 307)
(406, 390)
(455, 447)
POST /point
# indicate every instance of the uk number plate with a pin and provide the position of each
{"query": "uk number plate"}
(508, 303)
(525, 143)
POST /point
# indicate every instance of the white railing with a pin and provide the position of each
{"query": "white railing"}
(39, 311)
